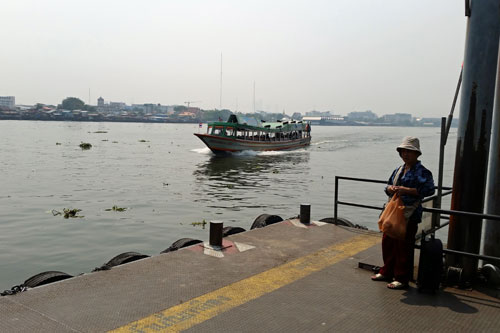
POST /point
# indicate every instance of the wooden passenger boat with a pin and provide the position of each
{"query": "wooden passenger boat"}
(242, 133)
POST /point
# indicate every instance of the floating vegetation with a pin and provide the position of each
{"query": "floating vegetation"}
(202, 223)
(101, 132)
(105, 140)
(115, 208)
(67, 213)
(143, 141)
(85, 145)
(115, 142)
(276, 171)
(230, 186)
(58, 143)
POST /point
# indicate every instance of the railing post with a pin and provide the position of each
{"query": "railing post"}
(437, 201)
(335, 205)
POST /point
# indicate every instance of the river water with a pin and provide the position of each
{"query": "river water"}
(166, 179)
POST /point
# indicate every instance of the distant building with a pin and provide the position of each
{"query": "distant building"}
(101, 107)
(330, 120)
(297, 116)
(398, 118)
(434, 122)
(111, 107)
(116, 106)
(170, 109)
(155, 109)
(312, 120)
(315, 113)
(187, 114)
(8, 101)
(195, 111)
(366, 116)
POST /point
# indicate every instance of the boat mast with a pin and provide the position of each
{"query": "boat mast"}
(253, 96)
(220, 97)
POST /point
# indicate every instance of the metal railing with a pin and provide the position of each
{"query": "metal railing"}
(437, 214)
(337, 202)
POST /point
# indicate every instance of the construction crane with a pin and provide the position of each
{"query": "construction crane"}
(189, 102)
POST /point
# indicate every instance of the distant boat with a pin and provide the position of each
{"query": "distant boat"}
(243, 133)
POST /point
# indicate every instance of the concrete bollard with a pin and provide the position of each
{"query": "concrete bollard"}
(216, 233)
(305, 213)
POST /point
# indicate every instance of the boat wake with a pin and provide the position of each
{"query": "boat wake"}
(323, 142)
(268, 153)
(247, 153)
(281, 152)
(204, 151)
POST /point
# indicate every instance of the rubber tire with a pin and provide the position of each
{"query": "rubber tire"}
(124, 258)
(227, 231)
(265, 220)
(180, 243)
(45, 278)
(340, 221)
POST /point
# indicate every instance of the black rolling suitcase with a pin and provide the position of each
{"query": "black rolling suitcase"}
(430, 264)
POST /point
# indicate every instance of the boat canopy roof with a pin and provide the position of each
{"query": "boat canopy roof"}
(250, 123)
(242, 120)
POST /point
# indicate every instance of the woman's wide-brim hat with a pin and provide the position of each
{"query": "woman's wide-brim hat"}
(410, 143)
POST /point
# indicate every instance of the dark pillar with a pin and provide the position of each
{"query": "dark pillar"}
(473, 136)
(492, 228)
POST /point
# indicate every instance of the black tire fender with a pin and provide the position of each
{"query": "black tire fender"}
(265, 220)
(180, 243)
(121, 259)
(227, 231)
(45, 278)
(339, 221)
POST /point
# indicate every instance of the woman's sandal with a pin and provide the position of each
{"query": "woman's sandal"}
(379, 277)
(397, 285)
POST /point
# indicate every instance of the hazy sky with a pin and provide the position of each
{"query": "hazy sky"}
(339, 55)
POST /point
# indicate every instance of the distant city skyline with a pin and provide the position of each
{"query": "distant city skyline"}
(339, 55)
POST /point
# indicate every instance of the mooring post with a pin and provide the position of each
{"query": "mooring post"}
(216, 233)
(305, 213)
(473, 134)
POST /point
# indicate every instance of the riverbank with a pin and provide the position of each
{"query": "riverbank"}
(190, 119)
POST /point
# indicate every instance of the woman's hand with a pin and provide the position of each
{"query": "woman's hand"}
(391, 189)
(401, 190)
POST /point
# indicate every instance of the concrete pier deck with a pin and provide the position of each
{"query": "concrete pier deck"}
(285, 277)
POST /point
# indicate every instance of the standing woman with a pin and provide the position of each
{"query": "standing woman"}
(412, 181)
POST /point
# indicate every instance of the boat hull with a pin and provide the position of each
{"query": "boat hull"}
(223, 145)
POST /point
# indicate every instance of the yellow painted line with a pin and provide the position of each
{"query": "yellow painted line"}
(202, 308)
